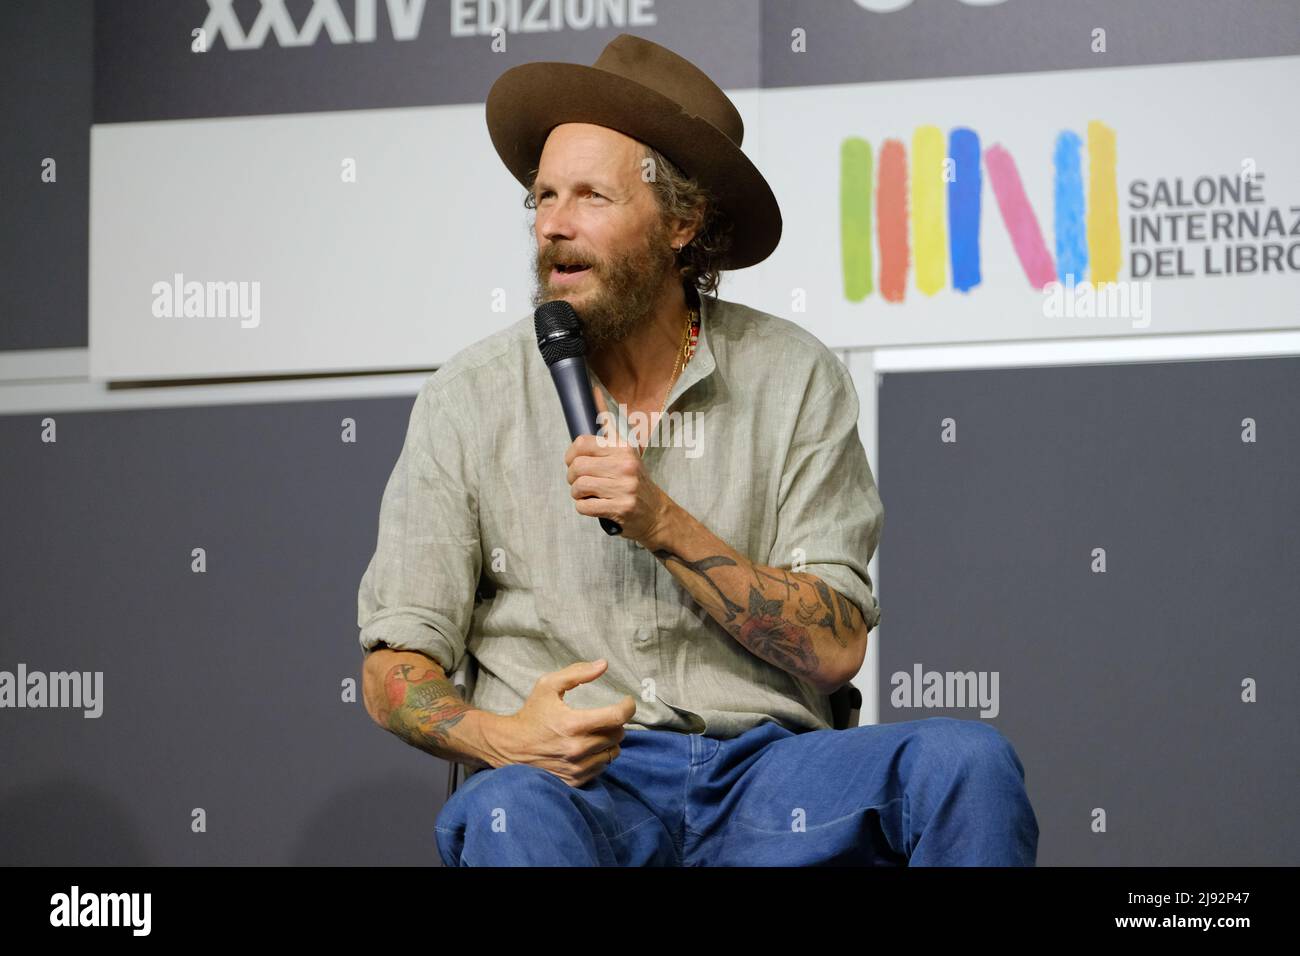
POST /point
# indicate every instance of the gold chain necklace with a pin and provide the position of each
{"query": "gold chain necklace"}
(677, 366)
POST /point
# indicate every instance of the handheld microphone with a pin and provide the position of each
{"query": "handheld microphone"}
(563, 348)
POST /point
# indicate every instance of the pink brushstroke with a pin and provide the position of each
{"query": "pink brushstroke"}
(1018, 215)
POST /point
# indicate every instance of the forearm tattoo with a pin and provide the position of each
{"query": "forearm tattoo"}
(774, 620)
(422, 705)
(821, 612)
(701, 568)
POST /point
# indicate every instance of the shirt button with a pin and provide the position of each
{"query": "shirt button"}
(642, 634)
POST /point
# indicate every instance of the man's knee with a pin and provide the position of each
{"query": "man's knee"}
(486, 803)
(969, 749)
(490, 795)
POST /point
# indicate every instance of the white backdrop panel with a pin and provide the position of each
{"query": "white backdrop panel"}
(1186, 120)
(428, 251)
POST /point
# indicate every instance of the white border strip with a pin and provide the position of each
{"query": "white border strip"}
(1099, 351)
(25, 364)
(864, 371)
(95, 396)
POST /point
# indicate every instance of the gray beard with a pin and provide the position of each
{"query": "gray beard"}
(629, 289)
(606, 323)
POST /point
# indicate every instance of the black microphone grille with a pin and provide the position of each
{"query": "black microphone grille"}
(559, 331)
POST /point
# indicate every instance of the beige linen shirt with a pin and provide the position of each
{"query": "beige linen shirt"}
(772, 464)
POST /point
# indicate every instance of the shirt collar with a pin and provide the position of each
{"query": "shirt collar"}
(701, 365)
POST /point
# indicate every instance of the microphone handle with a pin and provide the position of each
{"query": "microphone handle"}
(574, 387)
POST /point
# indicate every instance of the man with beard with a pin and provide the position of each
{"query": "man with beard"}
(660, 697)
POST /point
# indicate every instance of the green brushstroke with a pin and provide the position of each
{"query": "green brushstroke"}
(857, 175)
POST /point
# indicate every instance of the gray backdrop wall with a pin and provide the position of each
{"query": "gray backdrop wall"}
(1121, 690)
(223, 690)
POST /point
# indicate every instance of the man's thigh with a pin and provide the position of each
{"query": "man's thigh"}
(520, 815)
(808, 799)
(864, 796)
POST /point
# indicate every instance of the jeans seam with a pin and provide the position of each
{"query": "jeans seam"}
(686, 802)
(820, 826)
(623, 833)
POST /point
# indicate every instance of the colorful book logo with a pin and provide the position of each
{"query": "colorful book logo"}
(913, 226)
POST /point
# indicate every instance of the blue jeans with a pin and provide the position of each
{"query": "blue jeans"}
(930, 792)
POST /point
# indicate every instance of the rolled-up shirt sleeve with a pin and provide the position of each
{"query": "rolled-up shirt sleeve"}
(418, 591)
(830, 513)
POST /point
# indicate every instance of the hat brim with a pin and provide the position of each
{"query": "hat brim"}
(528, 101)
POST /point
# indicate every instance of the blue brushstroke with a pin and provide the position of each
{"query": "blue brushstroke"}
(964, 208)
(1071, 231)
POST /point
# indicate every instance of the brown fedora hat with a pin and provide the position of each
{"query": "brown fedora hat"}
(648, 92)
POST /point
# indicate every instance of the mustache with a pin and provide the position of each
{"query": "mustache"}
(549, 259)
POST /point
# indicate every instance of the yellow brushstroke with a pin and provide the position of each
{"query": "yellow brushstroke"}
(928, 206)
(1103, 205)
